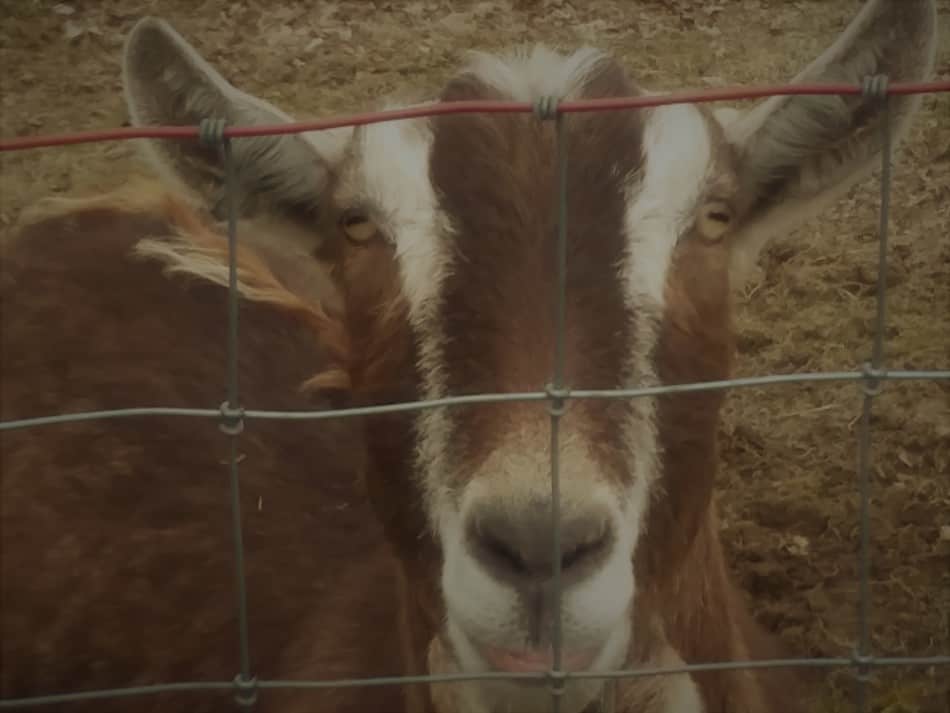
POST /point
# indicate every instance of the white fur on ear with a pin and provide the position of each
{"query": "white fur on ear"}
(166, 81)
(796, 154)
(726, 115)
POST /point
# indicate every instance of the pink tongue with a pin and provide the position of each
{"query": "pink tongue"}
(522, 663)
(526, 662)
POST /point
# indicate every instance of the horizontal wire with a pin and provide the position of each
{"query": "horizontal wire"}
(882, 662)
(465, 107)
(745, 382)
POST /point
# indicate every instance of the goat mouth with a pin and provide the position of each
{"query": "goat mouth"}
(534, 661)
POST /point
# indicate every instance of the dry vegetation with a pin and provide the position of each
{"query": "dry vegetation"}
(788, 495)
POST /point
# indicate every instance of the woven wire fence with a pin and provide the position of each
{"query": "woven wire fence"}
(870, 378)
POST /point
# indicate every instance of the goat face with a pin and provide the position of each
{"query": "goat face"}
(443, 233)
(449, 273)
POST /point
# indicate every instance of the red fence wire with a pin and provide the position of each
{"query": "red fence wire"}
(466, 107)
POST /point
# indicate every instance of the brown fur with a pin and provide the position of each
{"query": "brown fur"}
(497, 316)
(498, 308)
(117, 564)
(705, 616)
(123, 325)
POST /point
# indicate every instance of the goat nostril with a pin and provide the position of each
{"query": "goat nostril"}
(502, 554)
(522, 545)
(582, 552)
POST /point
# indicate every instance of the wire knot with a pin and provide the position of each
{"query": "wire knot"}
(874, 86)
(245, 691)
(546, 108)
(557, 399)
(863, 664)
(232, 419)
(873, 379)
(211, 131)
(556, 681)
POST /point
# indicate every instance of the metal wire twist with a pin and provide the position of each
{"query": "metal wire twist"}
(232, 419)
(547, 108)
(245, 691)
(875, 86)
(211, 132)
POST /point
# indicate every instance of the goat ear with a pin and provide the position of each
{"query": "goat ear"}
(798, 153)
(167, 82)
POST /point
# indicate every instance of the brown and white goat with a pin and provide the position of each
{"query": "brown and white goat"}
(116, 558)
(442, 234)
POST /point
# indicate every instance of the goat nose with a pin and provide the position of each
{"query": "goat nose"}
(519, 545)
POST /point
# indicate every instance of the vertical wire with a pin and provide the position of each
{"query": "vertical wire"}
(871, 389)
(557, 403)
(877, 355)
(234, 428)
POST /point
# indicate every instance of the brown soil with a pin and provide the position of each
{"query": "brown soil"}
(789, 479)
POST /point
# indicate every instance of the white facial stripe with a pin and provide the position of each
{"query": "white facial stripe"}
(677, 152)
(394, 162)
(396, 181)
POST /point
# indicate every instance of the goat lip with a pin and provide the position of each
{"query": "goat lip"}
(509, 661)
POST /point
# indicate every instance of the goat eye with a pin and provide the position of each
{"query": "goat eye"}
(357, 227)
(715, 219)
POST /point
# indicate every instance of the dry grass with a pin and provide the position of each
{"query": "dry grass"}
(788, 493)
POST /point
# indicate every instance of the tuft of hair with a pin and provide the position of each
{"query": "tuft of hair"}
(529, 73)
(193, 249)
(138, 195)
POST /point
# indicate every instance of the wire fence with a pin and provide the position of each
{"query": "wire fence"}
(232, 414)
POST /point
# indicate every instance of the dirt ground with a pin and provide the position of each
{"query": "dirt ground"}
(788, 485)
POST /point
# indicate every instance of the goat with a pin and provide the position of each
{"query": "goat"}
(117, 564)
(441, 235)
